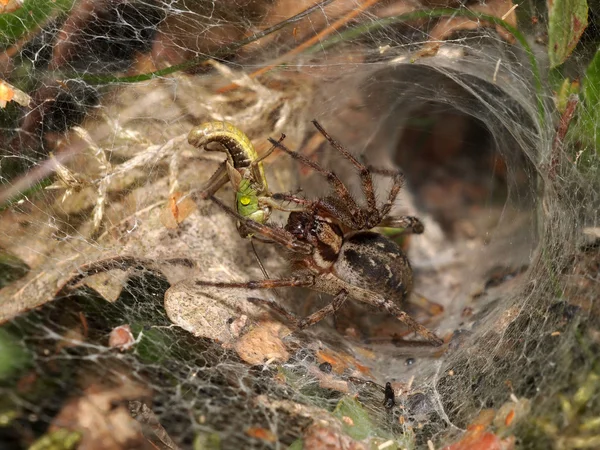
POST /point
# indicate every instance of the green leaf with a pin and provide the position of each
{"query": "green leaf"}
(33, 13)
(591, 83)
(355, 420)
(207, 441)
(13, 355)
(588, 129)
(567, 89)
(298, 444)
(61, 439)
(568, 19)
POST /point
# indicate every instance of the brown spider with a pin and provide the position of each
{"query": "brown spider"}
(332, 250)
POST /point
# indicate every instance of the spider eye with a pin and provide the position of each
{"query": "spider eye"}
(245, 201)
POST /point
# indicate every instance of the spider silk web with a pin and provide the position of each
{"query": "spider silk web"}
(106, 342)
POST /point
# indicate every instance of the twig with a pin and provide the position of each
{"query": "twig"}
(561, 132)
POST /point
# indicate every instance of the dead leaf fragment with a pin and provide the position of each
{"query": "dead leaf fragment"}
(477, 438)
(261, 433)
(512, 412)
(8, 6)
(121, 337)
(177, 210)
(447, 26)
(109, 285)
(341, 361)
(10, 93)
(327, 438)
(263, 343)
(101, 424)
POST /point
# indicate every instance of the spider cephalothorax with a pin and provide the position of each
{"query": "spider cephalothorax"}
(333, 250)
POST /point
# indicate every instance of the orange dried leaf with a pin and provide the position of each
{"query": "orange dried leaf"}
(177, 210)
(261, 433)
(6, 93)
(341, 361)
(8, 6)
(509, 418)
(10, 93)
(477, 438)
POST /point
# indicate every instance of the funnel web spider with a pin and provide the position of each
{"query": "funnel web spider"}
(332, 249)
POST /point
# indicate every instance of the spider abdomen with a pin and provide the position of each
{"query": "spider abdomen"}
(373, 262)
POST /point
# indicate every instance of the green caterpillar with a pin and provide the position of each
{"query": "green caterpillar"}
(242, 168)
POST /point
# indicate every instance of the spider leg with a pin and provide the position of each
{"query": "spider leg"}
(308, 321)
(257, 170)
(305, 281)
(372, 215)
(410, 224)
(268, 152)
(398, 182)
(282, 196)
(275, 307)
(216, 181)
(415, 326)
(342, 191)
(275, 234)
(337, 302)
(273, 200)
(320, 204)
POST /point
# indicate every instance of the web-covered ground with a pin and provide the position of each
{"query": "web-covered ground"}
(107, 341)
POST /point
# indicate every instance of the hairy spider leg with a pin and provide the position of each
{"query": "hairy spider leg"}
(356, 217)
(322, 204)
(372, 216)
(403, 317)
(305, 281)
(410, 224)
(275, 234)
(268, 152)
(397, 184)
(335, 304)
(342, 191)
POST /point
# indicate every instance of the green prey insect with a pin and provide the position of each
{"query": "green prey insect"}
(243, 168)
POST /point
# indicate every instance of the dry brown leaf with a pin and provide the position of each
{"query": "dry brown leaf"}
(8, 6)
(327, 438)
(177, 210)
(263, 343)
(341, 361)
(446, 27)
(10, 93)
(261, 433)
(512, 412)
(304, 28)
(477, 438)
(108, 285)
(102, 425)
(121, 337)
